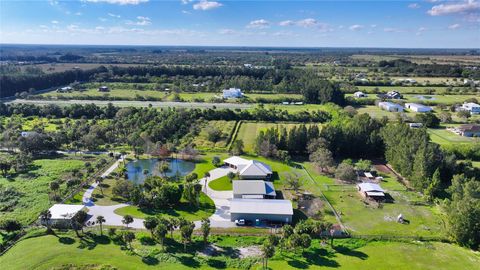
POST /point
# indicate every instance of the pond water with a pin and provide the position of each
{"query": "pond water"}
(425, 97)
(140, 169)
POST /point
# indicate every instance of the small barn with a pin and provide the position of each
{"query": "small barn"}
(371, 190)
(261, 210)
(359, 94)
(232, 93)
(390, 106)
(420, 108)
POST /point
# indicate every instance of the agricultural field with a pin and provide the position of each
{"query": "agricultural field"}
(439, 99)
(33, 187)
(202, 141)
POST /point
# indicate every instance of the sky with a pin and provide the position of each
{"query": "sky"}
(393, 24)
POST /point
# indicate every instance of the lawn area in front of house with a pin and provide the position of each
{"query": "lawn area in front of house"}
(221, 184)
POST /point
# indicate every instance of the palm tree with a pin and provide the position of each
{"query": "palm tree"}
(127, 219)
(268, 250)
(205, 229)
(99, 181)
(45, 217)
(100, 220)
(128, 237)
(206, 175)
(160, 233)
(150, 223)
(54, 186)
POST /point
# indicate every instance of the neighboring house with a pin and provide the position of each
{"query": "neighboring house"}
(360, 95)
(232, 93)
(103, 89)
(253, 189)
(473, 108)
(62, 215)
(249, 169)
(468, 130)
(418, 107)
(391, 95)
(64, 89)
(390, 106)
(415, 125)
(371, 190)
(259, 210)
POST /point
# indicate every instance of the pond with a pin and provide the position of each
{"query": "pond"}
(140, 169)
(425, 97)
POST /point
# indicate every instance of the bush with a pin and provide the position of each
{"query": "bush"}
(10, 225)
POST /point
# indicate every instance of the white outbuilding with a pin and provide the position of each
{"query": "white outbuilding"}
(62, 214)
(420, 108)
(232, 93)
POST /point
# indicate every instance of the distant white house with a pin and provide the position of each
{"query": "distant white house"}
(390, 106)
(62, 215)
(471, 107)
(232, 93)
(415, 125)
(249, 169)
(359, 94)
(420, 108)
(253, 189)
(64, 89)
(103, 89)
(371, 190)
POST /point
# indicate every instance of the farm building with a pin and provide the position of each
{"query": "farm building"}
(359, 94)
(390, 106)
(253, 189)
(62, 214)
(64, 89)
(391, 95)
(418, 107)
(249, 169)
(371, 190)
(261, 210)
(103, 89)
(468, 130)
(232, 93)
(471, 107)
(415, 125)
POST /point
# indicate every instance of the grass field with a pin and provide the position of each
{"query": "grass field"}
(410, 89)
(65, 251)
(184, 210)
(34, 187)
(201, 140)
(445, 137)
(439, 99)
(114, 93)
(249, 130)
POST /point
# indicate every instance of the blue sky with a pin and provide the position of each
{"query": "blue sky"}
(424, 24)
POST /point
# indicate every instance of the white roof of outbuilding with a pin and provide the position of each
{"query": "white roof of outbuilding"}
(254, 167)
(261, 206)
(370, 187)
(252, 187)
(64, 211)
(416, 105)
(235, 160)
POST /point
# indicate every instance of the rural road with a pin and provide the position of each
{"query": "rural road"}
(127, 103)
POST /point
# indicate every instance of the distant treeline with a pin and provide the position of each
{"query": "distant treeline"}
(401, 66)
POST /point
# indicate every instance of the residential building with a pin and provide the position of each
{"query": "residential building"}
(62, 215)
(469, 130)
(390, 106)
(232, 93)
(420, 108)
(360, 94)
(473, 108)
(415, 125)
(64, 89)
(103, 89)
(249, 169)
(253, 189)
(259, 210)
(391, 95)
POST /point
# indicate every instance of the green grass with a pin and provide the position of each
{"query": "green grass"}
(107, 198)
(446, 138)
(377, 112)
(439, 99)
(184, 210)
(410, 89)
(220, 184)
(64, 250)
(34, 187)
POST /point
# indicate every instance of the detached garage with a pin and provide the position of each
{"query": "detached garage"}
(263, 210)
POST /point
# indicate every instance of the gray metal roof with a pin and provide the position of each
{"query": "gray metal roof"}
(250, 187)
(261, 206)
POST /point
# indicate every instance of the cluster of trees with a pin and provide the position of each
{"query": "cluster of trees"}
(405, 67)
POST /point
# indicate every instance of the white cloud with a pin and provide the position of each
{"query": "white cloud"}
(114, 15)
(53, 2)
(186, 1)
(454, 26)
(465, 7)
(186, 12)
(420, 30)
(286, 23)
(307, 22)
(118, 2)
(141, 20)
(392, 30)
(206, 5)
(373, 25)
(259, 24)
(356, 27)
(414, 5)
(54, 22)
(102, 19)
(78, 13)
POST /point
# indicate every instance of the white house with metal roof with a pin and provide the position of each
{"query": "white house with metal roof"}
(420, 108)
(232, 93)
(390, 106)
(253, 189)
(62, 214)
(261, 210)
(249, 169)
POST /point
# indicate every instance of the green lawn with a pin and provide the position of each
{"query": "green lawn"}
(34, 187)
(446, 138)
(184, 210)
(107, 198)
(409, 89)
(65, 251)
(220, 184)
(440, 99)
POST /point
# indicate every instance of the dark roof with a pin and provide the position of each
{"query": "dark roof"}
(469, 127)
